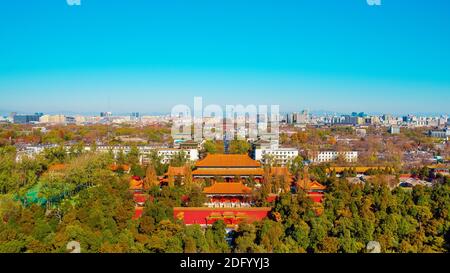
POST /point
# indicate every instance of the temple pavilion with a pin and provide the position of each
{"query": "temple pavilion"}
(229, 167)
(228, 195)
(313, 189)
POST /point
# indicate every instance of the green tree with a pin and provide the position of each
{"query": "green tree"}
(239, 147)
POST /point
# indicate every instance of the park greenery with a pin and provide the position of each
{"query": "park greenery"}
(80, 198)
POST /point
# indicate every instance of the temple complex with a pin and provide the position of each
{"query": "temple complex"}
(227, 197)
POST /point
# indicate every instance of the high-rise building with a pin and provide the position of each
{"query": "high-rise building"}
(26, 119)
(445, 133)
(295, 117)
(56, 119)
(289, 118)
(10, 118)
(352, 120)
(303, 117)
(394, 130)
(105, 114)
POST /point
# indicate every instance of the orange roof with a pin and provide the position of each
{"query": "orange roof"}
(438, 166)
(277, 171)
(115, 167)
(227, 188)
(228, 171)
(57, 167)
(308, 185)
(136, 184)
(227, 160)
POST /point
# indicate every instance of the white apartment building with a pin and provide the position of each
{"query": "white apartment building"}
(167, 154)
(31, 151)
(281, 155)
(327, 156)
(263, 148)
(445, 133)
(394, 130)
(53, 119)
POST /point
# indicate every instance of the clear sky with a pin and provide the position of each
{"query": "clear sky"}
(147, 56)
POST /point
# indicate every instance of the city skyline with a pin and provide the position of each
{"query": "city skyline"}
(315, 113)
(336, 56)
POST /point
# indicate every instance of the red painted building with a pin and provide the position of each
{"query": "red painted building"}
(231, 216)
(138, 212)
(228, 194)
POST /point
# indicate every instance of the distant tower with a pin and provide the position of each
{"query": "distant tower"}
(227, 137)
(226, 145)
(11, 116)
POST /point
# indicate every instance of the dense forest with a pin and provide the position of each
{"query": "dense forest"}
(85, 201)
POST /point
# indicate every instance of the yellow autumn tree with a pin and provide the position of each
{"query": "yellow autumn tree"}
(286, 183)
(151, 179)
(171, 180)
(188, 176)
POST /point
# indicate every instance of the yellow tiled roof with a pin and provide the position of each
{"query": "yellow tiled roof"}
(229, 171)
(227, 188)
(227, 160)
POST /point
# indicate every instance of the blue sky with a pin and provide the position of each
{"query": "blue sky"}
(147, 56)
